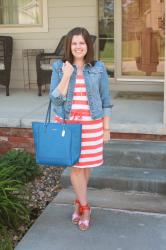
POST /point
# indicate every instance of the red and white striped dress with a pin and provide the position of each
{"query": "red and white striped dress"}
(92, 130)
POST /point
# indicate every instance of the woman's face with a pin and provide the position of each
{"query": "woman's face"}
(78, 47)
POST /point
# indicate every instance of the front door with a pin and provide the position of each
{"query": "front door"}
(132, 39)
(143, 38)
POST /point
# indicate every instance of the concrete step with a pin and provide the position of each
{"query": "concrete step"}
(124, 178)
(144, 154)
(111, 199)
(112, 227)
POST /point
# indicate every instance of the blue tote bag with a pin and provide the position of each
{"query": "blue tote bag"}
(56, 144)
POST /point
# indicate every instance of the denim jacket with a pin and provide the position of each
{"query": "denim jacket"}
(97, 87)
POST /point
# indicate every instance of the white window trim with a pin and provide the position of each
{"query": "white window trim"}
(26, 29)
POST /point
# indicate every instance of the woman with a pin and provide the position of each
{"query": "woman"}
(81, 85)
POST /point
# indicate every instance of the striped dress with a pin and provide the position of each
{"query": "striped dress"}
(92, 130)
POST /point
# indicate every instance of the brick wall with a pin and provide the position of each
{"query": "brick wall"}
(22, 138)
(18, 138)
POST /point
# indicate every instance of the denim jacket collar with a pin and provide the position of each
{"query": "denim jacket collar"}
(87, 65)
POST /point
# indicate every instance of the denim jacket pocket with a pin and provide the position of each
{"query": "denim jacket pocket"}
(96, 70)
(95, 74)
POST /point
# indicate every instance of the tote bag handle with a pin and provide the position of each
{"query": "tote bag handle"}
(48, 114)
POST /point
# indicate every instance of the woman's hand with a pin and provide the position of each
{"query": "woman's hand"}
(106, 127)
(67, 69)
(106, 135)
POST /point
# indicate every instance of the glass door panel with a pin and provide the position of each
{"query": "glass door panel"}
(106, 34)
(143, 37)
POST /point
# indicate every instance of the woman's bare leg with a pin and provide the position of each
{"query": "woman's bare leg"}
(87, 174)
(79, 183)
(79, 180)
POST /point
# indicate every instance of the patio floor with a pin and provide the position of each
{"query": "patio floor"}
(129, 115)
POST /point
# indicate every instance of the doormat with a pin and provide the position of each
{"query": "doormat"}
(140, 95)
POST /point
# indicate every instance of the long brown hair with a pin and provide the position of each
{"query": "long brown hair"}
(68, 56)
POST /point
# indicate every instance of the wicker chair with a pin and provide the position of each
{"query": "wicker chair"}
(44, 63)
(6, 50)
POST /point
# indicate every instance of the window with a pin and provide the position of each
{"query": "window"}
(106, 34)
(143, 37)
(23, 15)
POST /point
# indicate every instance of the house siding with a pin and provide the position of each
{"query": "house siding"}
(62, 16)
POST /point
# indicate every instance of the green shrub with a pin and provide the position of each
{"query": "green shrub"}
(5, 239)
(16, 168)
(13, 209)
(18, 165)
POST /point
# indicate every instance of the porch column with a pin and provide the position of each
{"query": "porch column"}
(165, 75)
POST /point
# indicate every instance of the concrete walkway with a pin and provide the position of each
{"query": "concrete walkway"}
(130, 115)
(111, 228)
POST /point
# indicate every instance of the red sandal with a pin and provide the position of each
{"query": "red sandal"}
(76, 216)
(84, 223)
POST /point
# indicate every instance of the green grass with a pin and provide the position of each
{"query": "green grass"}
(141, 73)
(108, 51)
(130, 49)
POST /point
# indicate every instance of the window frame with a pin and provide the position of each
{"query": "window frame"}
(21, 28)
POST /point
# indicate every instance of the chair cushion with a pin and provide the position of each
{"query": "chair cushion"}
(45, 66)
(2, 66)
